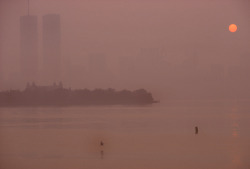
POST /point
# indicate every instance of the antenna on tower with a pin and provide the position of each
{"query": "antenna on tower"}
(28, 7)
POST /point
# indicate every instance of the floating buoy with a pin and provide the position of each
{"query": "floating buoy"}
(196, 130)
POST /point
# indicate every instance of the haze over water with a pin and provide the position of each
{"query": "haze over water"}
(174, 49)
(157, 136)
(179, 50)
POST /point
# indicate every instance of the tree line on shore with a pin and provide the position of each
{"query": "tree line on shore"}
(56, 95)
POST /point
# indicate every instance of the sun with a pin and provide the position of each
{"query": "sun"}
(232, 28)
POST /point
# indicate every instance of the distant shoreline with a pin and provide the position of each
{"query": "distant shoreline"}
(57, 96)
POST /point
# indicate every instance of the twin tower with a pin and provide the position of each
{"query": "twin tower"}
(50, 69)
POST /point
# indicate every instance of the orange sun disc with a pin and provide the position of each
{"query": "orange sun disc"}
(232, 28)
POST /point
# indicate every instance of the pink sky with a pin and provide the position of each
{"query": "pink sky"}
(121, 28)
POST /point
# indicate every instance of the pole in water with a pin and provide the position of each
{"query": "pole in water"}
(102, 152)
(196, 130)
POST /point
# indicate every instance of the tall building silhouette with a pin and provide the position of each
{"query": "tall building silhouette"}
(28, 48)
(1, 64)
(1, 70)
(52, 48)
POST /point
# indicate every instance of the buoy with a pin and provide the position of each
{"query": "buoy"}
(196, 130)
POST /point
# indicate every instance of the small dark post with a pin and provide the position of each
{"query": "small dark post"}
(196, 130)
(102, 152)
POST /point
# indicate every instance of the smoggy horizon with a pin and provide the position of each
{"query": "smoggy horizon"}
(174, 49)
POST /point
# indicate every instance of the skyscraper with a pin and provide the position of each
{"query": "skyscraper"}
(1, 69)
(52, 48)
(1, 64)
(29, 48)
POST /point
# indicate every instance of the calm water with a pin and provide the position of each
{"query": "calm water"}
(152, 137)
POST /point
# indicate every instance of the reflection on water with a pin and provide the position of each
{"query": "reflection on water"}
(235, 130)
(102, 154)
(125, 137)
(236, 156)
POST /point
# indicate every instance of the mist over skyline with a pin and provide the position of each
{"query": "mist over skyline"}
(167, 47)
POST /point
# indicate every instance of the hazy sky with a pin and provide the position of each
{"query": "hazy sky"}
(121, 28)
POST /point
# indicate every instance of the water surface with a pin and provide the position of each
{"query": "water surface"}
(150, 137)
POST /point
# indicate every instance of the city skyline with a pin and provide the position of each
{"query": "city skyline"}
(124, 84)
(28, 48)
(51, 32)
(118, 31)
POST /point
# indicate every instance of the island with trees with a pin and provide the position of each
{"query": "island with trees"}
(57, 95)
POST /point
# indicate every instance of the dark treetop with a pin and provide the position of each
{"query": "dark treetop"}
(56, 95)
